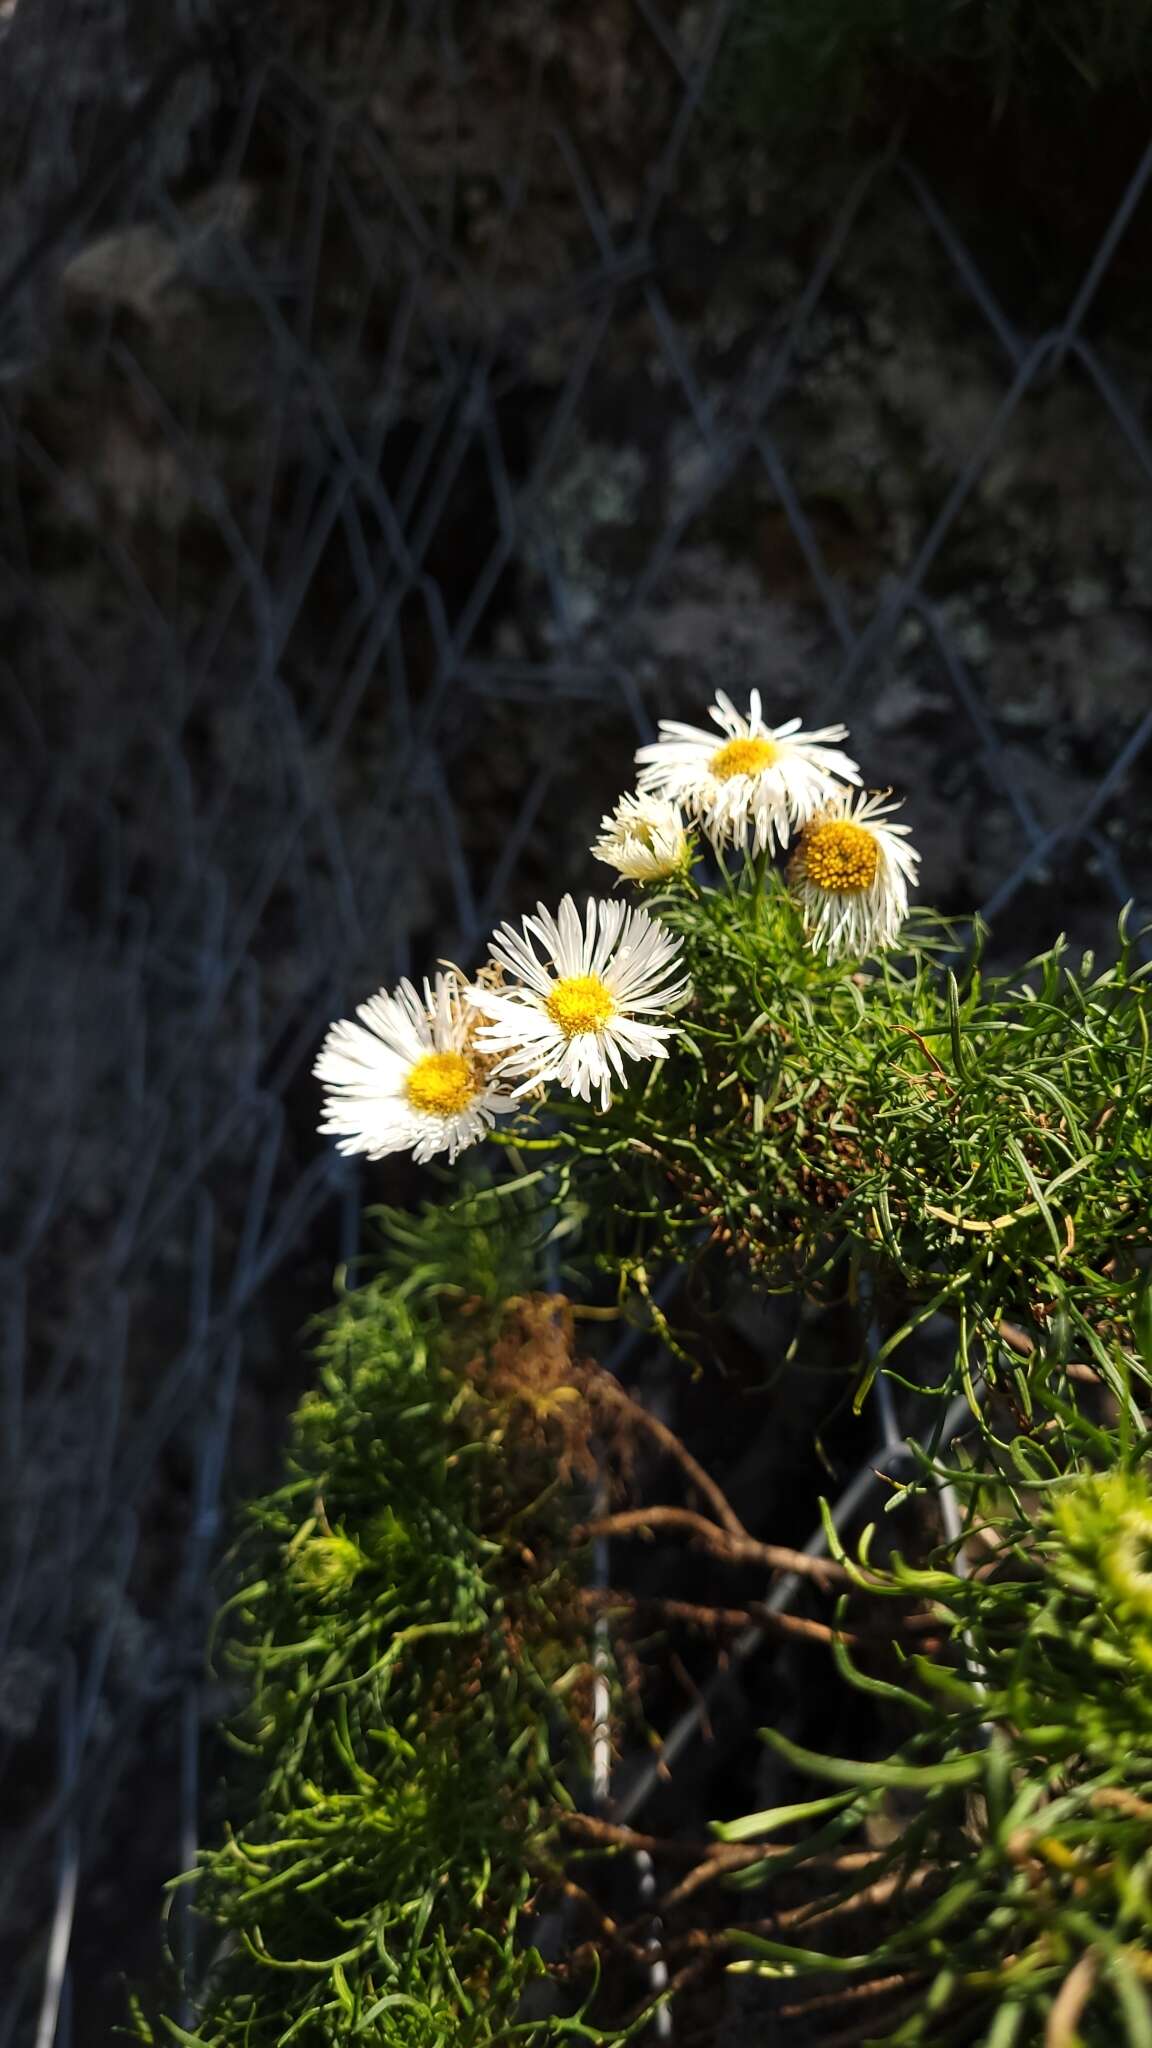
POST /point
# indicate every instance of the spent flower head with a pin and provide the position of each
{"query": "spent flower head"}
(581, 997)
(756, 785)
(644, 838)
(850, 873)
(408, 1077)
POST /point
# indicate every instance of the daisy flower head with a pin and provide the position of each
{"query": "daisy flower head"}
(408, 1076)
(581, 997)
(851, 872)
(644, 838)
(755, 785)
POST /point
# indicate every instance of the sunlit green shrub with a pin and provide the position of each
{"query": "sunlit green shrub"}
(1018, 1890)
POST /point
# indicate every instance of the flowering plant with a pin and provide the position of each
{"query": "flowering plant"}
(782, 1061)
(571, 998)
(764, 1065)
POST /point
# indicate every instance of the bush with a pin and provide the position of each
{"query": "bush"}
(407, 1631)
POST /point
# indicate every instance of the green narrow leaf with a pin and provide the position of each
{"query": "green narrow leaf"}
(1006, 2026)
(1132, 1999)
(1142, 1323)
(956, 1770)
(880, 1688)
(775, 1817)
(1038, 1195)
(804, 1958)
(959, 1054)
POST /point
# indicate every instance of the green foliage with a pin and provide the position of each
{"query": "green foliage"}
(407, 1635)
(1019, 1886)
(942, 1140)
(795, 67)
(975, 1145)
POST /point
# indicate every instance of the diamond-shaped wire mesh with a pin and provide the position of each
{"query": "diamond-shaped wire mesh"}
(393, 423)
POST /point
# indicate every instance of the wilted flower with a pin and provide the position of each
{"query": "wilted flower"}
(644, 838)
(851, 873)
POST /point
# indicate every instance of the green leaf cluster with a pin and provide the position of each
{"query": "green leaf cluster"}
(973, 1144)
(406, 1637)
(1018, 1887)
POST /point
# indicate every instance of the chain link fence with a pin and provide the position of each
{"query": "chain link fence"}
(397, 417)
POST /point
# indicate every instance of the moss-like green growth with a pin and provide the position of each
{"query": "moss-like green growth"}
(408, 1633)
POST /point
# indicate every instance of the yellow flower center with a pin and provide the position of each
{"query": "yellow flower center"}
(840, 857)
(743, 757)
(579, 1002)
(442, 1084)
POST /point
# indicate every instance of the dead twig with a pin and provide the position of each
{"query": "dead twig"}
(863, 2029)
(938, 1072)
(732, 1549)
(609, 1390)
(896, 1884)
(1015, 1339)
(716, 1619)
(681, 1672)
(1070, 2002)
(832, 2001)
(607, 1834)
(715, 1869)
(1121, 1800)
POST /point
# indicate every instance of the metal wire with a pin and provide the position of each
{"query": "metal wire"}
(229, 821)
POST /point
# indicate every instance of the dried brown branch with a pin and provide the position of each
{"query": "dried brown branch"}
(812, 1913)
(615, 1601)
(709, 1861)
(896, 1884)
(833, 2001)
(731, 1549)
(609, 1929)
(1121, 1800)
(1070, 2002)
(610, 1834)
(1015, 1339)
(606, 1834)
(716, 1868)
(682, 1674)
(717, 1619)
(864, 2029)
(699, 1943)
(609, 1390)
(938, 1072)
(706, 1873)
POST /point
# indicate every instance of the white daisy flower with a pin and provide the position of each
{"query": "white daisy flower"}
(758, 784)
(573, 1015)
(644, 838)
(851, 873)
(408, 1077)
